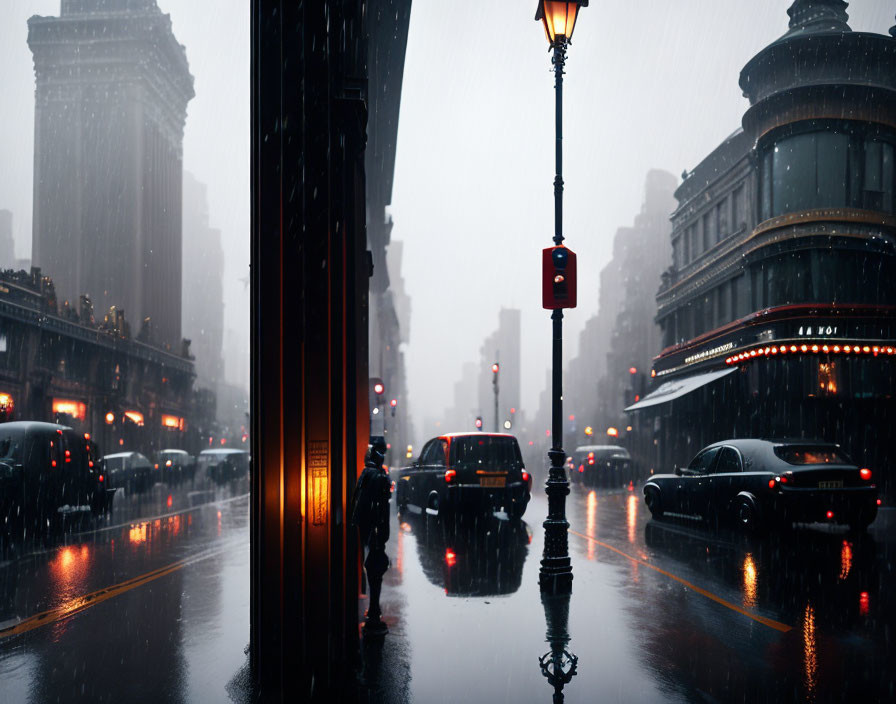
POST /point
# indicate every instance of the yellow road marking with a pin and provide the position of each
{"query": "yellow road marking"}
(80, 603)
(771, 623)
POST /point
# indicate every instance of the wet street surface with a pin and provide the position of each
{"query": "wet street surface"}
(148, 604)
(151, 604)
(661, 610)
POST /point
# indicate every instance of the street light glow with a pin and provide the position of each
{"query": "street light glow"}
(559, 18)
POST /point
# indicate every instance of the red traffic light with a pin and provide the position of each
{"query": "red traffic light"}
(495, 368)
(378, 388)
(478, 422)
(558, 285)
(632, 370)
(393, 402)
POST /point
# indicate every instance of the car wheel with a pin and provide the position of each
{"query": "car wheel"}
(654, 503)
(517, 509)
(745, 515)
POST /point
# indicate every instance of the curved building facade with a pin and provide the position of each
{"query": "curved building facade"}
(779, 311)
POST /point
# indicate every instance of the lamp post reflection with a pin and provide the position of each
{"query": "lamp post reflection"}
(558, 665)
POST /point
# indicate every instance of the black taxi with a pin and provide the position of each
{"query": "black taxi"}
(466, 471)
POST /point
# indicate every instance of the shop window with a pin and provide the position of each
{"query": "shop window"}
(827, 378)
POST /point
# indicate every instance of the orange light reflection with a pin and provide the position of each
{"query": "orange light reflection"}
(845, 560)
(810, 652)
(591, 520)
(631, 511)
(749, 573)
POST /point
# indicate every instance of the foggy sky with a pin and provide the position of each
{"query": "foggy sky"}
(648, 84)
(216, 136)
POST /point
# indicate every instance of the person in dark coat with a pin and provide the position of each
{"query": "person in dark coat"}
(370, 513)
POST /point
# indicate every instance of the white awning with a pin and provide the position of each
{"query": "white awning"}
(676, 388)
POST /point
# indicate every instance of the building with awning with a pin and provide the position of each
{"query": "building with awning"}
(777, 314)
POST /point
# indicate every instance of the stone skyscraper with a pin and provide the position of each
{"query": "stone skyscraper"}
(112, 87)
(203, 282)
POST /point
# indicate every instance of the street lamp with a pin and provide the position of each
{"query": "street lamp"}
(555, 576)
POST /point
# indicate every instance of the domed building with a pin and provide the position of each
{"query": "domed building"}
(779, 310)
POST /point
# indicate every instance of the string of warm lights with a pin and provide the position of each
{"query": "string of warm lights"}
(809, 348)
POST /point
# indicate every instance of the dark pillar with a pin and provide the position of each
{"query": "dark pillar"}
(309, 324)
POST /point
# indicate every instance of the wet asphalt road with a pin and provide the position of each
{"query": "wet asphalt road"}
(661, 610)
(148, 605)
(152, 605)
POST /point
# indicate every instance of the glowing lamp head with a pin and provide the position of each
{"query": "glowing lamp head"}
(393, 402)
(633, 370)
(110, 418)
(378, 388)
(495, 368)
(559, 18)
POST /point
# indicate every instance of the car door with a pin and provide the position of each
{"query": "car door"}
(725, 479)
(693, 485)
(418, 478)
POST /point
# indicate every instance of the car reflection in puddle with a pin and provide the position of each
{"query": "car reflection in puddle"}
(470, 555)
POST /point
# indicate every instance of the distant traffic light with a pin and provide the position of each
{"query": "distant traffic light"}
(378, 388)
(478, 422)
(495, 368)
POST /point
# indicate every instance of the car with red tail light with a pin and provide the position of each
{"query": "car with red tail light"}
(763, 483)
(47, 472)
(466, 472)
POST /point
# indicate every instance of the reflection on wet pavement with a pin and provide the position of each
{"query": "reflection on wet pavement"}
(150, 604)
(661, 610)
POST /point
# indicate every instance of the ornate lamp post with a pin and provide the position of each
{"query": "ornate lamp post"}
(555, 577)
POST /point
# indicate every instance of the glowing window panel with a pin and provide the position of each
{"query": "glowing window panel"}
(172, 422)
(75, 409)
(134, 416)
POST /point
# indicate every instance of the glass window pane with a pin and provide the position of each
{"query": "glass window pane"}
(793, 181)
(832, 169)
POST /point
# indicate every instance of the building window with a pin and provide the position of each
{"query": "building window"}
(827, 378)
(737, 209)
(709, 230)
(827, 169)
(721, 220)
(878, 183)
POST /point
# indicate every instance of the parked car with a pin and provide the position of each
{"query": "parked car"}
(601, 465)
(47, 470)
(175, 466)
(130, 471)
(223, 465)
(759, 483)
(467, 471)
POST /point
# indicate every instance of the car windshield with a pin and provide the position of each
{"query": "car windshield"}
(812, 455)
(486, 452)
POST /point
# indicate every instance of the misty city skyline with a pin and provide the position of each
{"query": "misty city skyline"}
(216, 136)
(647, 85)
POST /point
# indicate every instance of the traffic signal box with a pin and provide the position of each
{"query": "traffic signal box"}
(558, 266)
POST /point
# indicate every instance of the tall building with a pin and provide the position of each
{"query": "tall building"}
(622, 335)
(112, 87)
(203, 285)
(778, 311)
(7, 244)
